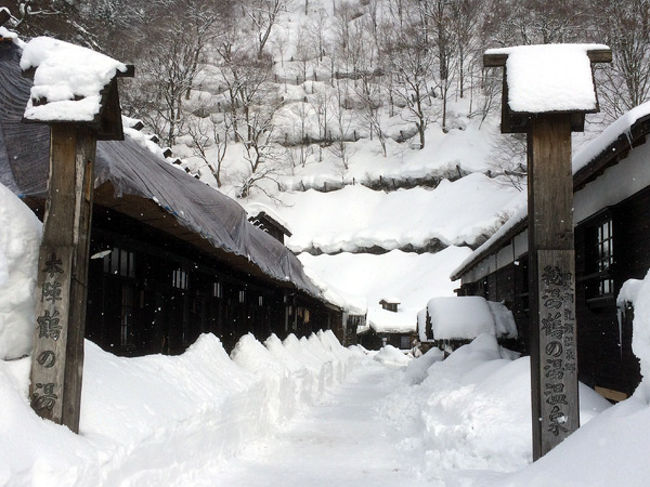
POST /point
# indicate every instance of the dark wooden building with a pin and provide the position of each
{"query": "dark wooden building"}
(612, 242)
(170, 256)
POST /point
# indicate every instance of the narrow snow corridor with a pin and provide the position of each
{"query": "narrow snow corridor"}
(338, 443)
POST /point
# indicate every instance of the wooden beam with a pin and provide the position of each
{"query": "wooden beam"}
(494, 60)
(600, 56)
(129, 73)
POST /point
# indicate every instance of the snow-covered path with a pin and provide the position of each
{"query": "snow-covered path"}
(341, 442)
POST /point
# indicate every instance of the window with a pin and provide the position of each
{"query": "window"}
(605, 257)
(405, 342)
(120, 262)
(179, 279)
(126, 314)
(242, 297)
(217, 290)
(260, 301)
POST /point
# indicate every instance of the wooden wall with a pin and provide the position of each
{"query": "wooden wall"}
(173, 293)
(605, 355)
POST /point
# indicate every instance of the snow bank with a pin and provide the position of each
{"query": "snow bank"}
(611, 449)
(20, 239)
(471, 412)
(204, 404)
(68, 80)
(354, 218)
(550, 77)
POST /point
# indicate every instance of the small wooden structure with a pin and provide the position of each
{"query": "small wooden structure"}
(57, 368)
(528, 107)
(390, 304)
(270, 224)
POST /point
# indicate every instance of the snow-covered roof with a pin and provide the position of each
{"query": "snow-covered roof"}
(203, 216)
(256, 209)
(68, 80)
(587, 164)
(464, 317)
(550, 77)
(622, 125)
(390, 300)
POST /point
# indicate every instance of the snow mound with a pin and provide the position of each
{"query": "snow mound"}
(550, 77)
(471, 412)
(19, 245)
(462, 317)
(389, 355)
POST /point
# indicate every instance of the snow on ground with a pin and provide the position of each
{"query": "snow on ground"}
(456, 213)
(469, 418)
(414, 278)
(19, 243)
(612, 448)
(147, 420)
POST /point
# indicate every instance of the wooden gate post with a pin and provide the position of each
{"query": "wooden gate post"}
(554, 373)
(57, 358)
(76, 124)
(548, 116)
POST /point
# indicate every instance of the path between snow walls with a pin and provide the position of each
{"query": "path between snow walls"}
(150, 420)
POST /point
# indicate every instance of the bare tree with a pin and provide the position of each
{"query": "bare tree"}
(208, 134)
(168, 69)
(263, 15)
(625, 26)
(410, 59)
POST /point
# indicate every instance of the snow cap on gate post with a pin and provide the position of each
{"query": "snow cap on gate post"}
(73, 84)
(547, 79)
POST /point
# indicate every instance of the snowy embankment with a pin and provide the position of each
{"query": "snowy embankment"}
(148, 419)
(368, 278)
(469, 412)
(463, 212)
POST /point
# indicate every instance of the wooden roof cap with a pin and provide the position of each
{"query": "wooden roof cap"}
(517, 121)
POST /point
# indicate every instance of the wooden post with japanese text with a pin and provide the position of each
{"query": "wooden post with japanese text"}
(551, 257)
(57, 366)
(62, 279)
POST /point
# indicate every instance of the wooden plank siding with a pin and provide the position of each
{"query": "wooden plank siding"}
(605, 354)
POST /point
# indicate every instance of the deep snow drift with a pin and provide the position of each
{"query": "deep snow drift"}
(150, 419)
(19, 242)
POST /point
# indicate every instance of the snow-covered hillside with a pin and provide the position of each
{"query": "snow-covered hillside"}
(348, 180)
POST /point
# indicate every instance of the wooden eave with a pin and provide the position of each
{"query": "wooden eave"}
(272, 222)
(610, 156)
(148, 212)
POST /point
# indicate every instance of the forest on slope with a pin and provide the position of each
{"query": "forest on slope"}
(280, 83)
